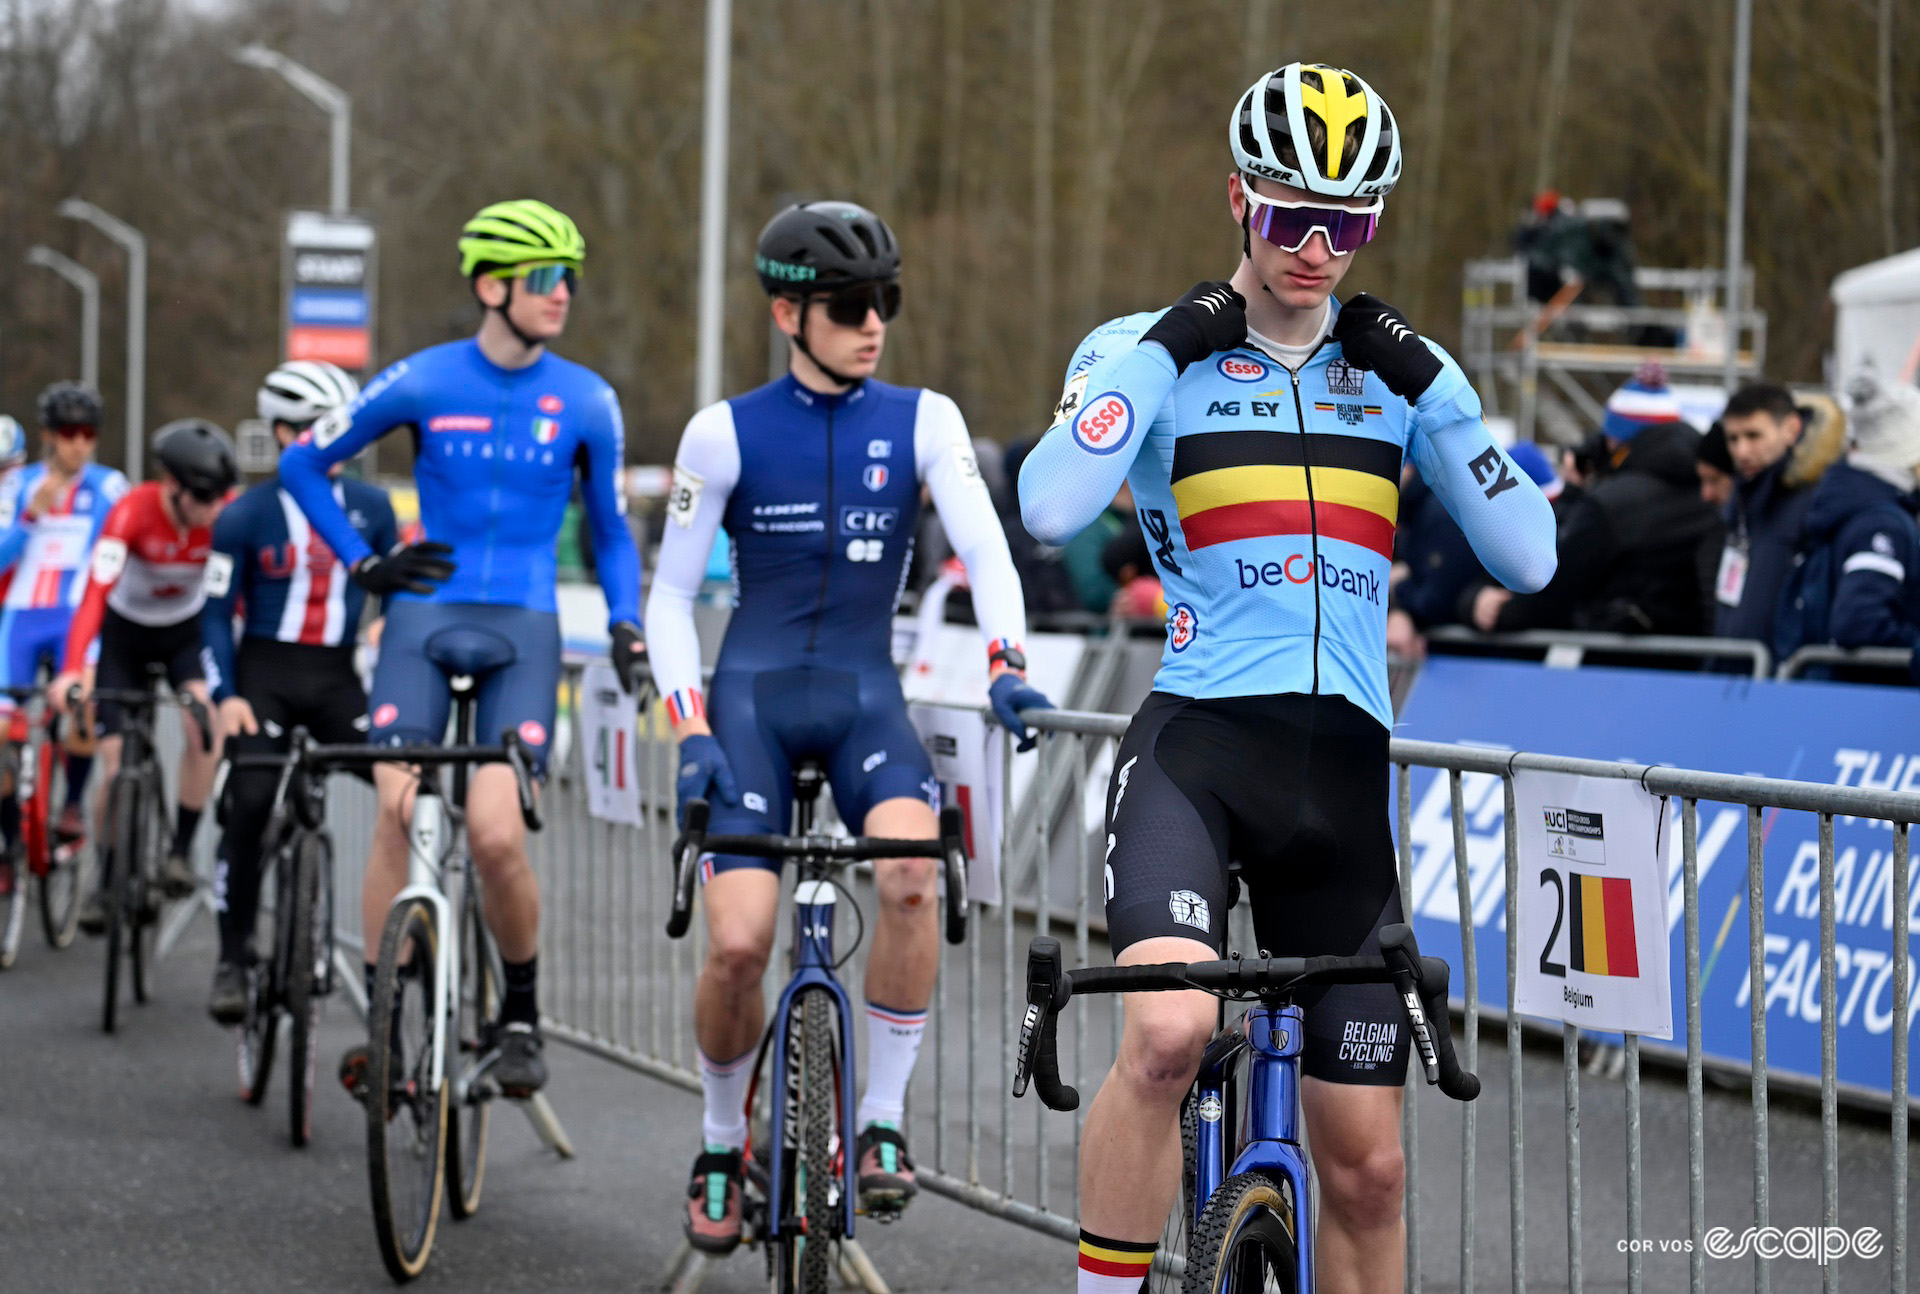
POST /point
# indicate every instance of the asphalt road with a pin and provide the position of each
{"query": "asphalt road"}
(128, 1163)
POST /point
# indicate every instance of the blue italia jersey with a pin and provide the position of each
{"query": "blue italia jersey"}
(1268, 499)
(497, 452)
(271, 562)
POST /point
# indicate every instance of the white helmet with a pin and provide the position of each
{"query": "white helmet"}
(1270, 132)
(300, 390)
(13, 442)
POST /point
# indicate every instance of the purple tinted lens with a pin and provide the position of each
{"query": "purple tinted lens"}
(1289, 227)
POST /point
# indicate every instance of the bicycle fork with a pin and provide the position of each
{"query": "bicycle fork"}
(427, 832)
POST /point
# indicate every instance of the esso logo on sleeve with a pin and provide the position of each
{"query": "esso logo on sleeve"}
(1105, 424)
(1241, 368)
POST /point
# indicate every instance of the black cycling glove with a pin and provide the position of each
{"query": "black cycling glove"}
(1376, 337)
(405, 568)
(1210, 317)
(628, 654)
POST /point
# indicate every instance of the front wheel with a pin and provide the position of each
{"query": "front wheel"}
(306, 941)
(406, 1106)
(812, 1194)
(477, 1010)
(13, 904)
(1245, 1241)
(56, 861)
(121, 852)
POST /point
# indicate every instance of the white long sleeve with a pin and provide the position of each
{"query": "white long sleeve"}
(705, 470)
(943, 456)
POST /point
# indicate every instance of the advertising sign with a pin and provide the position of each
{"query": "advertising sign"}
(329, 277)
(607, 730)
(1842, 734)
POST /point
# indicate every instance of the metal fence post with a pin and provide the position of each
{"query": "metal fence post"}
(1696, 1138)
(1470, 1048)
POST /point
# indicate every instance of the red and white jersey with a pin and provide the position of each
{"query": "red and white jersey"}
(144, 566)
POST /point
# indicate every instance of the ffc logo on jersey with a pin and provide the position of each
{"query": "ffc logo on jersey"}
(545, 430)
(1242, 368)
(1183, 626)
(1230, 485)
(1105, 424)
(875, 476)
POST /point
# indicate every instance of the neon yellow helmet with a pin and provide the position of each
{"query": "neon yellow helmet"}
(517, 232)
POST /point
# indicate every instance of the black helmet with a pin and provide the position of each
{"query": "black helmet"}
(69, 404)
(815, 246)
(199, 456)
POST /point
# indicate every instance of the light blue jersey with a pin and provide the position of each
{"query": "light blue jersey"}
(1269, 499)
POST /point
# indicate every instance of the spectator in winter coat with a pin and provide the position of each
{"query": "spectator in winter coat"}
(1777, 461)
(1864, 508)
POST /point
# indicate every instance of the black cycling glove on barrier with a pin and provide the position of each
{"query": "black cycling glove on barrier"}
(1210, 317)
(628, 653)
(406, 568)
(1376, 337)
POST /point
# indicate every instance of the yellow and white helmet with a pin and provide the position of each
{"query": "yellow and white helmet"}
(1317, 128)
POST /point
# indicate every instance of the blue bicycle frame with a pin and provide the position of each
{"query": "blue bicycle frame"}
(1269, 1118)
(813, 917)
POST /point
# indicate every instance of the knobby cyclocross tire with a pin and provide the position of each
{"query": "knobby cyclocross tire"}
(1176, 1238)
(13, 906)
(1244, 1239)
(143, 917)
(406, 1122)
(258, 1035)
(479, 1003)
(806, 1248)
(120, 850)
(304, 937)
(57, 864)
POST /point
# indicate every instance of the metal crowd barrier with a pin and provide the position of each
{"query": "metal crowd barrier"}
(1567, 648)
(614, 985)
(1890, 659)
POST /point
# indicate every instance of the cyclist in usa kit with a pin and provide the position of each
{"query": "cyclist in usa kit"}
(817, 479)
(1262, 426)
(142, 603)
(502, 430)
(294, 663)
(50, 514)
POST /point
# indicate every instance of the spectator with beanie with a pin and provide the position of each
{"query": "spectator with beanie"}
(1630, 555)
(1864, 509)
(1776, 464)
(1715, 467)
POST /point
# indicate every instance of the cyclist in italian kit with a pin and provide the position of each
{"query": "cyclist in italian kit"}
(142, 602)
(294, 664)
(817, 478)
(52, 511)
(1262, 426)
(502, 430)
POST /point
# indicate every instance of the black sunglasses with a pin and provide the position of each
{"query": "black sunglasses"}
(848, 307)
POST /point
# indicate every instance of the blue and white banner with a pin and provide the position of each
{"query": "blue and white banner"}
(1843, 735)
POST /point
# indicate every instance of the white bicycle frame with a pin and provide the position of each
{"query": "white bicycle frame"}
(428, 833)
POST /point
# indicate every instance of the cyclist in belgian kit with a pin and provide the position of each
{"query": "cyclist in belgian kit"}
(817, 479)
(52, 513)
(503, 429)
(1262, 426)
(142, 602)
(294, 666)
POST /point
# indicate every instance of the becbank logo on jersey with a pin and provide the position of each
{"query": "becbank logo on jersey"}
(1242, 368)
(1105, 424)
(868, 521)
(1299, 568)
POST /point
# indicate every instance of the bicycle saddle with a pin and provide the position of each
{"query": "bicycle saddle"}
(465, 649)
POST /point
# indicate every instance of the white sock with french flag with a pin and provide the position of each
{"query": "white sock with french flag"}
(893, 1044)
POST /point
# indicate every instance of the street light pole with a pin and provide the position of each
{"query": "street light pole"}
(711, 316)
(1737, 187)
(88, 284)
(336, 102)
(135, 244)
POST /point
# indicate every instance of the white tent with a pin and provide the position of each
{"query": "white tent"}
(1877, 316)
